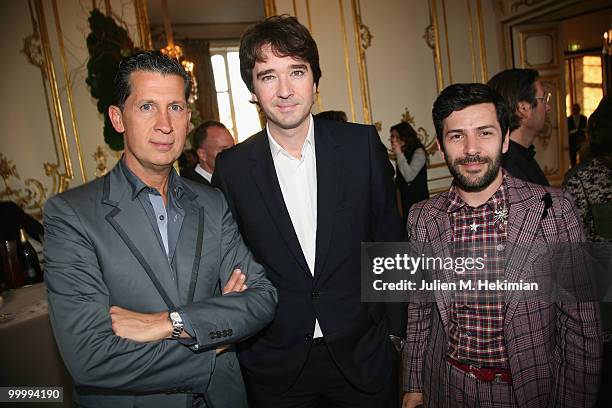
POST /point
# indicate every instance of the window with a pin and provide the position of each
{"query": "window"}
(235, 111)
(583, 76)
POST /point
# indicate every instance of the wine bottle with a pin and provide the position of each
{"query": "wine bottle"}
(29, 260)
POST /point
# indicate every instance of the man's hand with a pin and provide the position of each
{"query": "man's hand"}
(140, 327)
(235, 284)
(412, 400)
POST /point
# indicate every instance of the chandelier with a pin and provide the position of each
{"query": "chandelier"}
(175, 51)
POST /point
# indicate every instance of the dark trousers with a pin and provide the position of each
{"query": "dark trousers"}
(322, 385)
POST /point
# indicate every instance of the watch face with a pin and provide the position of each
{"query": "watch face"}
(175, 316)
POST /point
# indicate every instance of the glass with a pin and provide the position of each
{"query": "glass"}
(546, 97)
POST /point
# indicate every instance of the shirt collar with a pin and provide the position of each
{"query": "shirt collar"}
(276, 149)
(499, 199)
(138, 185)
(200, 170)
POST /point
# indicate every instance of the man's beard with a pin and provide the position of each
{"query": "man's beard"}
(479, 184)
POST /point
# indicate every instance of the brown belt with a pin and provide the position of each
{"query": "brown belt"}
(481, 373)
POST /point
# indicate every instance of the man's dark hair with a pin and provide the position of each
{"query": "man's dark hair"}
(459, 96)
(286, 37)
(599, 129)
(201, 132)
(148, 61)
(516, 85)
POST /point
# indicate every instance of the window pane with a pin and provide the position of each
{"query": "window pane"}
(591, 97)
(218, 66)
(225, 113)
(592, 70)
(247, 118)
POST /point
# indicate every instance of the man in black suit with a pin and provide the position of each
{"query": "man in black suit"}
(529, 101)
(305, 193)
(576, 123)
(209, 139)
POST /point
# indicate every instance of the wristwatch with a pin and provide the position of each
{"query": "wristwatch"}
(177, 324)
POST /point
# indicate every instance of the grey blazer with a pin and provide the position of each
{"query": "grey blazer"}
(101, 250)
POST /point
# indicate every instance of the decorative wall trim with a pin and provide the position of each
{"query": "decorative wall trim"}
(62, 51)
(363, 71)
(433, 11)
(142, 20)
(428, 141)
(448, 57)
(270, 8)
(100, 156)
(347, 67)
(484, 71)
(63, 178)
(471, 38)
(30, 197)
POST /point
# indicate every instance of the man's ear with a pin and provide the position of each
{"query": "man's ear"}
(523, 109)
(201, 153)
(440, 149)
(254, 98)
(506, 142)
(116, 118)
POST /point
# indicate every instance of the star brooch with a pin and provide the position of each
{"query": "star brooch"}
(500, 216)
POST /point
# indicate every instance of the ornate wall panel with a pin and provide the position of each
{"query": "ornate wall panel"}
(54, 130)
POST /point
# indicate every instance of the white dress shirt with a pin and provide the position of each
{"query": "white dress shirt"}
(298, 182)
(203, 173)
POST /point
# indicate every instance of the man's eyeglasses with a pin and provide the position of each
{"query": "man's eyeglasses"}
(546, 97)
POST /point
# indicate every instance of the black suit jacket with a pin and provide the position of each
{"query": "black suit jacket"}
(520, 163)
(191, 174)
(355, 203)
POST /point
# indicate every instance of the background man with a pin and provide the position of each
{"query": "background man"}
(576, 123)
(305, 194)
(209, 139)
(534, 353)
(135, 261)
(528, 101)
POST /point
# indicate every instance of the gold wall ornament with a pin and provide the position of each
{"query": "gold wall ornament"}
(366, 36)
(545, 135)
(378, 126)
(430, 36)
(100, 156)
(514, 7)
(31, 197)
(428, 141)
(33, 49)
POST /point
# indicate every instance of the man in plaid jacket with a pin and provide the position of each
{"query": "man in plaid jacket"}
(498, 353)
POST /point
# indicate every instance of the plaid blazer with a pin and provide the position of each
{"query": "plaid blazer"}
(554, 349)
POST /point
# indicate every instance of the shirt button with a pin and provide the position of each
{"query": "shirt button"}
(161, 217)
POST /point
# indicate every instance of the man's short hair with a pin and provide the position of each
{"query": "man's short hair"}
(516, 85)
(201, 132)
(286, 37)
(459, 96)
(148, 61)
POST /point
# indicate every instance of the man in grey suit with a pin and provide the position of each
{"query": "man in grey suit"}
(135, 263)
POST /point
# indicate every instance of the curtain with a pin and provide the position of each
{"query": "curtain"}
(198, 52)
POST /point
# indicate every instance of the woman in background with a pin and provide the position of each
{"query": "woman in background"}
(411, 161)
(590, 183)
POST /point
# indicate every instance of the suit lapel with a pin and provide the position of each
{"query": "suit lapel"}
(328, 192)
(264, 176)
(440, 236)
(524, 219)
(128, 218)
(193, 241)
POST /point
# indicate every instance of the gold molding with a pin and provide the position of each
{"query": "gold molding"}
(347, 67)
(63, 179)
(363, 71)
(270, 8)
(100, 156)
(524, 36)
(484, 71)
(471, 37)
(429, 142)
(62, 51)
(294, 8)
(433, 11)
(142, 22)
(309, 17)
(448, 57)
(31, 198)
